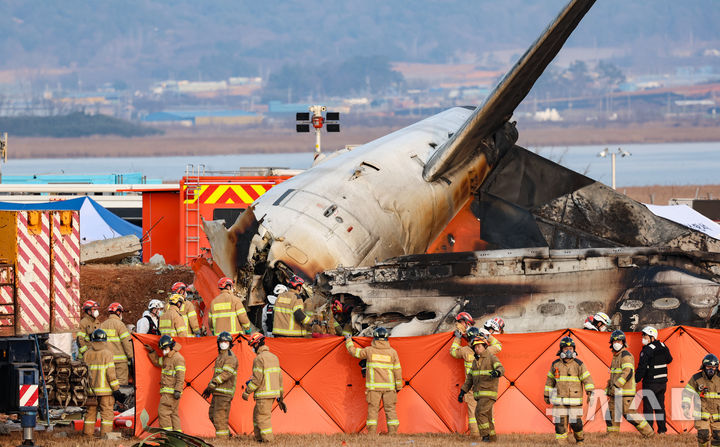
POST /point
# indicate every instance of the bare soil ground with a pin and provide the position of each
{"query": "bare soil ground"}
(133, 286)
(279, 140)
(431, 440)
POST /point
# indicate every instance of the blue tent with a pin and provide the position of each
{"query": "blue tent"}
(96, 222)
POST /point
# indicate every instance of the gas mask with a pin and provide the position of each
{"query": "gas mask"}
(224, 346)
(95, 313)
(166, 351)
(617, 346)
(568, 354)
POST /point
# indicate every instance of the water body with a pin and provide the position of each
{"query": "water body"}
(649, 164)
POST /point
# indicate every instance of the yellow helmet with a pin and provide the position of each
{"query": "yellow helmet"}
(175, 299)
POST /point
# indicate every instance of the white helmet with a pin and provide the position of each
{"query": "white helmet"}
(651, 331)
(602, 317)
(155, 304)
(484, 333)
(492, 325)
(279, 289)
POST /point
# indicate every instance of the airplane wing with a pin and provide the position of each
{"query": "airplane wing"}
(514, 87)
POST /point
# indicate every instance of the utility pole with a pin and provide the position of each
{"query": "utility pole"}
(3, 152)
(330, 121)
(607, 152)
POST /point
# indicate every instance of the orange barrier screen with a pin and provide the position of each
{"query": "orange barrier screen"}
(325, 391)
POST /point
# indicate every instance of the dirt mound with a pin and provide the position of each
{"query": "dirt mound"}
(133, 286)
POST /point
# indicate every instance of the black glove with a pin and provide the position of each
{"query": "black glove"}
(495, 373)
(281, 404)
(206, 392)
(118, 396)
(176, 395)
(457, 334)
(461, 396)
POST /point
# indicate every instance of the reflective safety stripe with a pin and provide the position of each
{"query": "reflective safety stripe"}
(101, 390)
(589, 386)
(627, 365)
(659, 376)
(585, 375)
(371, 422)
(230, 391)
(660, 366)
(472, 420)
(566, 400)
(100, 367)
(167, 390)
(121, 358)
(612, 428)
(615, 370)
(485, 393)
(622, 381)
(484, 426)
(549, 388)
(229, 369)
(709, 395)
(393, 422)
(222, 432)
(115, 383)
(642, 424)
(561, 435)
(568, 379)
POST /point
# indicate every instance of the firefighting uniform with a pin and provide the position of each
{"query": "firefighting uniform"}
(485, 390)
(564, 387)
(227, 314)
(707, 412)
(102, 381)
(621, 392)
(172, 323)
(119, 344)
(266, 384)
(495, 345)
(342, 328)
(88, 324)
(290, 319)
(467, 355)
(190, 316)
(172, 378)
(383, 380)
(223, 389)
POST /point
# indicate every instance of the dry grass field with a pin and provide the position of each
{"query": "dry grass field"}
(430, 440)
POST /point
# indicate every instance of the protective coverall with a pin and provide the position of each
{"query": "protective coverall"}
(190, 316)
(227, 314)
(382, 381)
(485, 390)
(222, 386)
(172, 323)
(172, 382)
(266, 384)
(87, 326)
(620, 390)
(290, 319)
(564, 387)
(119, 344)
(467, 355)
(102, 381)
(706, 411)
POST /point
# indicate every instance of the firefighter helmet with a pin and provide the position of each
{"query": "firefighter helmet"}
(295, 281)
(90, 304)
(176, 299)
(155, 304)
(166, 341)
(500, 323)
(256, 340)
(380, 333)
(98, 335)
(492, 325)
(617, 335)
(601, 317)
(710, 360)
(280, 288)
(567, 341)
(471, 333)
(178, 286)
(225, 282)
(479, 341)
(336, 307)
(224, 336)
(466, 317)
(115, 308)
(650, 331)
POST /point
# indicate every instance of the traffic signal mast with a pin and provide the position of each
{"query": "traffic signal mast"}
(331, 121)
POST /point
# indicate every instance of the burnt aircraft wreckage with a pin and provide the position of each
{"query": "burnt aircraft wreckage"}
(561, 246)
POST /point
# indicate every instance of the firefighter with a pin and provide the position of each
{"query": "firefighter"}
(268, 312)
(620, 388)
(227, 313)
(490, 328)
(290, 319)
(172, 382)
(652, 372)
(119, 343)
(267, 385)
(88, 324)
(187, 310)
(102, 383)
(467, 354)
(463, 321)
(598, 322)
(171, 321)
(483, 382)
(383, 379)
(342, 318)
(566, 381)
(222, 385)
(148, 323)
(704, 387)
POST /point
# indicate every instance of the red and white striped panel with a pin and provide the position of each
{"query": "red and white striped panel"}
(65, 273)
(33, 276)
(28, 395)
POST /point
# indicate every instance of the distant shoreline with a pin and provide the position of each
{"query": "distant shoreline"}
(257, 140)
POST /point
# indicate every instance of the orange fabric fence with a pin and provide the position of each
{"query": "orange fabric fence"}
(325, 391)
